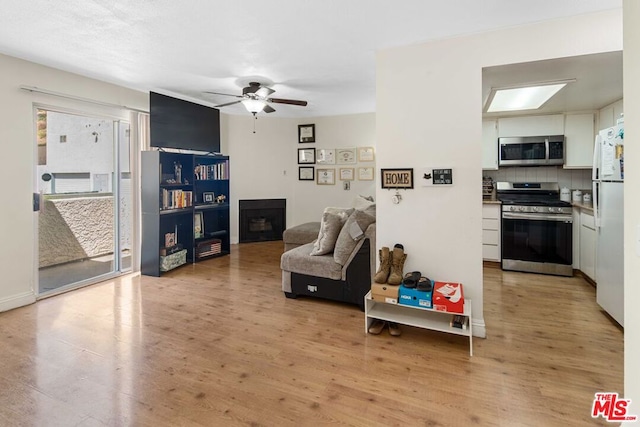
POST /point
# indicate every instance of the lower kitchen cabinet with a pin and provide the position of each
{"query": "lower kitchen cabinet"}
(588, 244)
(491, 232)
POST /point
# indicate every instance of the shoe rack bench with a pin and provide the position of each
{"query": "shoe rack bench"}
(425, 318)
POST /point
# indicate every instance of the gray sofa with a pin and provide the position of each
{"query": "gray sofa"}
(321, 276)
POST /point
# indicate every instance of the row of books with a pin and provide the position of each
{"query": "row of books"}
(175, 199)
(215, 171)
(459, 321)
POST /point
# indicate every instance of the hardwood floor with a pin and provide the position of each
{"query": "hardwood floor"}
(217, 344)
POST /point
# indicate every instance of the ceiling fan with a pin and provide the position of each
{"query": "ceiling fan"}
(255, 98)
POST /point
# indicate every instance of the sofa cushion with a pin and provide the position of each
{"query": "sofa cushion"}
(298, 260)
(352, 231)
(362, 202)
(301, 234)
(332, 221)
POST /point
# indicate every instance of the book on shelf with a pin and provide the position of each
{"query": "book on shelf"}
(459, 321)
(176, 199)
(213, 172)
(171, 250)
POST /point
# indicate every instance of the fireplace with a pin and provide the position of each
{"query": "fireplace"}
(262, 220)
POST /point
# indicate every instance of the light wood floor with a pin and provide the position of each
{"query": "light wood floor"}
(217, 344)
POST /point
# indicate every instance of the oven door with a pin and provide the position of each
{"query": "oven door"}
(539, 243)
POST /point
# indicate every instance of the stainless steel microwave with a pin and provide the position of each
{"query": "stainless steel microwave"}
(531, 150)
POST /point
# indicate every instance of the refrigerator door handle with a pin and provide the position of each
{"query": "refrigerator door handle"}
(594, 200)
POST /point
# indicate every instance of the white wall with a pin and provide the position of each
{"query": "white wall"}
(264, 165)
(632, 204)
(429, 100)
(17, 144)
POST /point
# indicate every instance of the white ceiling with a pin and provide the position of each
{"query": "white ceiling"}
(319, 51)
(598, 81)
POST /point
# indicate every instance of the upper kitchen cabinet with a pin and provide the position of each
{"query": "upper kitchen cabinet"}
(531, 125)
(610, 114)
(579, 132)
(490, 144)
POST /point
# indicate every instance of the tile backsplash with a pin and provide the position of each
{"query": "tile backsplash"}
(574, 179)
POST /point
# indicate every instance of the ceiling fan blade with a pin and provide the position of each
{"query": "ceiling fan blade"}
(288, 101)
(228, 103)
(268, 109)
(224, 94)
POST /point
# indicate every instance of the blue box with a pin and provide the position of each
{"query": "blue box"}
(414, 297)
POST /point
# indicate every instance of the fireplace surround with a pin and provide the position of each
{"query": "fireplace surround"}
(262, 219)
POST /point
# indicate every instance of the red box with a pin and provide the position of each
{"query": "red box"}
(448, 296)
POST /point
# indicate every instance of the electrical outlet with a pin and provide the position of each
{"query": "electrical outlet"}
(346, 185)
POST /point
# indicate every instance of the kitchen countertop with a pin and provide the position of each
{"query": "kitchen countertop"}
(491, 202)
(585, 206)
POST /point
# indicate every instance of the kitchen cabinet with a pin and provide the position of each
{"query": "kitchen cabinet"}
(531, 125)
(588, 244)
(609, 115)
(579, 132)
(490, 144)
(491, 232)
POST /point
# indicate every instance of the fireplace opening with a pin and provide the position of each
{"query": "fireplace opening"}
(262, 220)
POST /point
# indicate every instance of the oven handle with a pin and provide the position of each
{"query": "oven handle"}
(537, 217)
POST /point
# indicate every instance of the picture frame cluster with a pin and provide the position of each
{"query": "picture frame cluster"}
(313, 162)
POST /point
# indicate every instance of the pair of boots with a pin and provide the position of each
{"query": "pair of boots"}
(391, 265)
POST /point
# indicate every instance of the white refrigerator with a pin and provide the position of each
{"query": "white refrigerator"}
(608, 203)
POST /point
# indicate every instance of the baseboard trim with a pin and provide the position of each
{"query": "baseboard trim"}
(16, 301)
(479, 328)
(587, 279)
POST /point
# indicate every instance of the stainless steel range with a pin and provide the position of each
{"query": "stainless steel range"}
(537, 228)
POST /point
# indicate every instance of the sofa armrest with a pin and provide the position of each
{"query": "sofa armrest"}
(300, 235)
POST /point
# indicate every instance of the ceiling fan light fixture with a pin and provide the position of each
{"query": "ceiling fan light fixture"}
(254, 105)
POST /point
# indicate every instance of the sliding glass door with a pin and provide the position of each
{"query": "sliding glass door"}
(84, 192)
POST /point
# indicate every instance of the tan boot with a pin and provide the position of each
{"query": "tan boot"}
(385, 265)
(397, 264)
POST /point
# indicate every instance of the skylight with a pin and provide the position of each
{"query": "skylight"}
(523, 98)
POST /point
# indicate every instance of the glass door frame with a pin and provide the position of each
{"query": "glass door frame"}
(117, 121)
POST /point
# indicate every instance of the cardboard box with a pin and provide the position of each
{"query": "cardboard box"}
(414, 297)
(385, 293)
(449, 297)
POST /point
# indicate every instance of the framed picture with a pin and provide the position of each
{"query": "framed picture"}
(306, 133)
(198, 225)
(396, 178)
(326, 156)
(365, 174)
(346, 155)
(366, 154)
(326, 177)
(208, 197)
(347, 174)
(306, 173)
(306, 156)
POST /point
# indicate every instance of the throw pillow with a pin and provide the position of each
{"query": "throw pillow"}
(332, 221)
(362, 202)
(352, 231)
